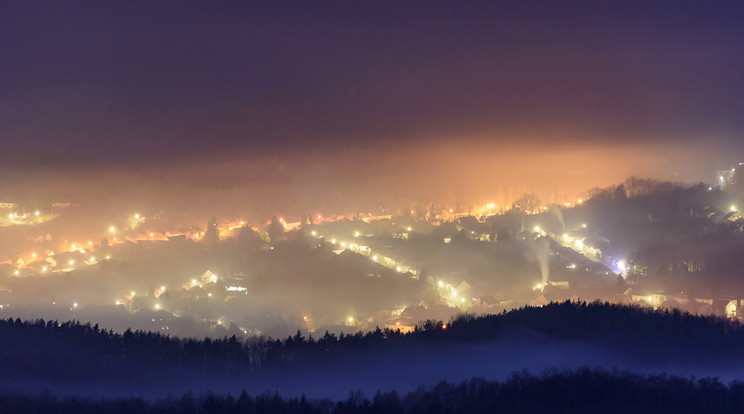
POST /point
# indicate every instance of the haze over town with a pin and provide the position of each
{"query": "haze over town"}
(345, 185)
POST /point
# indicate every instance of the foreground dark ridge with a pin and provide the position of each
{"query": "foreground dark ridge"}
(74, 351)
(581, 391)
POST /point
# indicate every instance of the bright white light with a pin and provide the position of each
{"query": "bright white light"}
(162, 288)
(10, 215)
(440, 283)
(398, 268)
(408, 228)
(537, 229)
(733, 208)
(37, 213)
(374, 257)
(75, 305)
(313, 232)
(132, 292)
(622, 266)
(72, 262)
(118, 302)
(136, 216)
(157, 307)
(112, 229)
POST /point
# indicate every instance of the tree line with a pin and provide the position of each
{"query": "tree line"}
(581, 391)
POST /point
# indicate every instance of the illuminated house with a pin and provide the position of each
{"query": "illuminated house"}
(488, 304)
(68, 259)
(654, 300)
(539, 301)
(463, 288)
(208, 277)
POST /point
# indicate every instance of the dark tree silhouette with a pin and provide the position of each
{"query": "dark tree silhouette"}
(212, 235)
(527, 202)
(275, 230)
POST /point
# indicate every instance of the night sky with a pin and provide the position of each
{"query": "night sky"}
(595, 91)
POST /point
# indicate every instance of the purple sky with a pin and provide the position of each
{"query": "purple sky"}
(126, 83)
